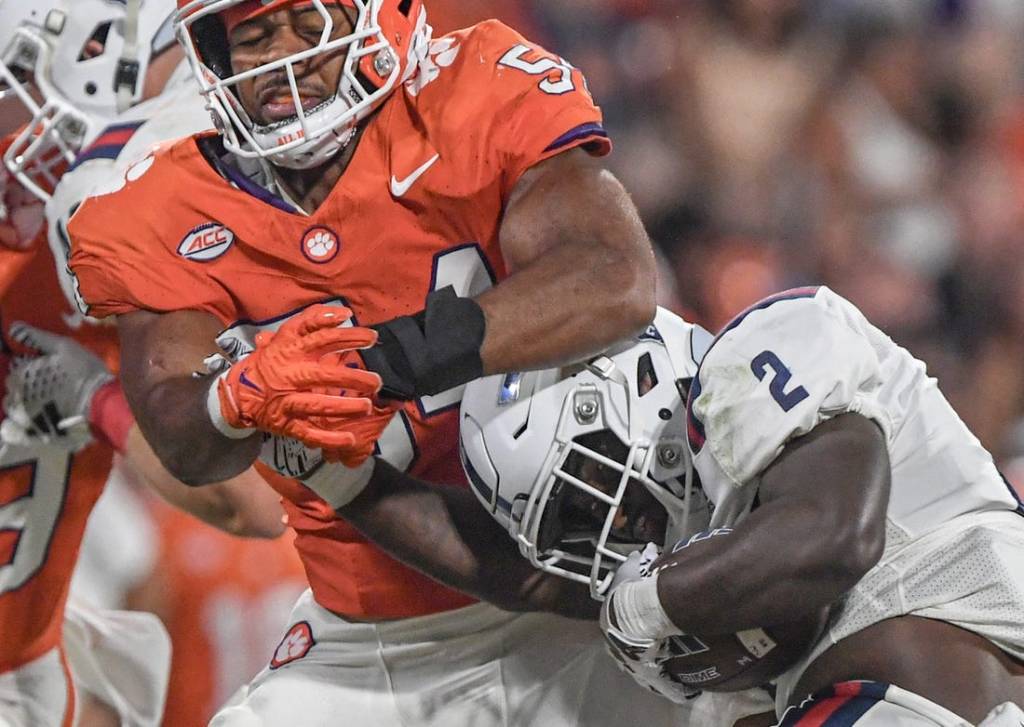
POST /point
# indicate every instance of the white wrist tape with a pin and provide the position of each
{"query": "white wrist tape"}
(639, 613)
(217, 417)
(337, 484)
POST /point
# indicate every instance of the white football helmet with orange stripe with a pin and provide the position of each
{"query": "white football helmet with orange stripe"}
(74, 65)
(384, 48)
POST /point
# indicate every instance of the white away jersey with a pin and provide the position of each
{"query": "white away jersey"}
(177, 111)
(803, 356)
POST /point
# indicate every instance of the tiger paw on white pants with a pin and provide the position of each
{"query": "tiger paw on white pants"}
(473, 667)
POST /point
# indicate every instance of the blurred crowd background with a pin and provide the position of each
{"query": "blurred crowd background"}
(873, 146)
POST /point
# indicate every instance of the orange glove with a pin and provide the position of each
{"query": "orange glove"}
(367, 430)
(286, 386)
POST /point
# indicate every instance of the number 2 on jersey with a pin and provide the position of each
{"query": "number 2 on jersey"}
(780, 379)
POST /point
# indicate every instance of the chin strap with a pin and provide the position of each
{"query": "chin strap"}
(126, 78)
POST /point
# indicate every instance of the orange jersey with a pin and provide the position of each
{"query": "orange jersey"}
(46, 494)
(225, 602)
(418, 208)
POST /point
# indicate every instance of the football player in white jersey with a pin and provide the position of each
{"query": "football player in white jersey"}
(839, 477)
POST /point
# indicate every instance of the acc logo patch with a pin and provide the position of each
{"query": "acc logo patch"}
(320, 244)
(205, 242)
(295, 645)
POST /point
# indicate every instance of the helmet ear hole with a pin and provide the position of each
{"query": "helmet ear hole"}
(646, 377)
(97, 42)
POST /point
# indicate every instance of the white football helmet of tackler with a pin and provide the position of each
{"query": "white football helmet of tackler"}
(74, 65)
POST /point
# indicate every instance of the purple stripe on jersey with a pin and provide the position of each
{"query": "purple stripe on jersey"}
(854, 699)
(580, 132)
(106, 151)
(250, 187)
(1013, 492)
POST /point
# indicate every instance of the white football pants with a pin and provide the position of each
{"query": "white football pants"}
(477, 666)
(38, 694)
(121, 657)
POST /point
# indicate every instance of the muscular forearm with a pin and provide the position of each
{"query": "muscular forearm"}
(819, 528)
(772, 568)
(443, 532)
(570, 303)
(159, 353)
(173, 417)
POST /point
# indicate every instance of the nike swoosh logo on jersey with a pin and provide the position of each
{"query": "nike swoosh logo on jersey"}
(400, 187)
(246, 381)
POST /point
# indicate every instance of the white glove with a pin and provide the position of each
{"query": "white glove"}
(636, 566)
(640, 658)
(48, 397)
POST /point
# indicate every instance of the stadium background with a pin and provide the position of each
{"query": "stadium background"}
(872, 146)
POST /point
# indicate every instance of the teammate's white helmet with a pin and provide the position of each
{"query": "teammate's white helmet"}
(74, 64)
(384, 49)
(554, 454)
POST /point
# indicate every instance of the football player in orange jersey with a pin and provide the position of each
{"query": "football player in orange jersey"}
(364, 168)
(48, 481)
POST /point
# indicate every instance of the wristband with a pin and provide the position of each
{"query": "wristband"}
(110, 419)
(432, 351)
(217, 416)
(638, 611)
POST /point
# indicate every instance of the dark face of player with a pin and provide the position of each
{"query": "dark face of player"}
(267, 97)
(639, 519)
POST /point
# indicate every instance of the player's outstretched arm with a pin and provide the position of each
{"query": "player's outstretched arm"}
(207, 431)
(438, 530)
(159, 355)
(582, 268)
(582, 276)
(819, 528)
